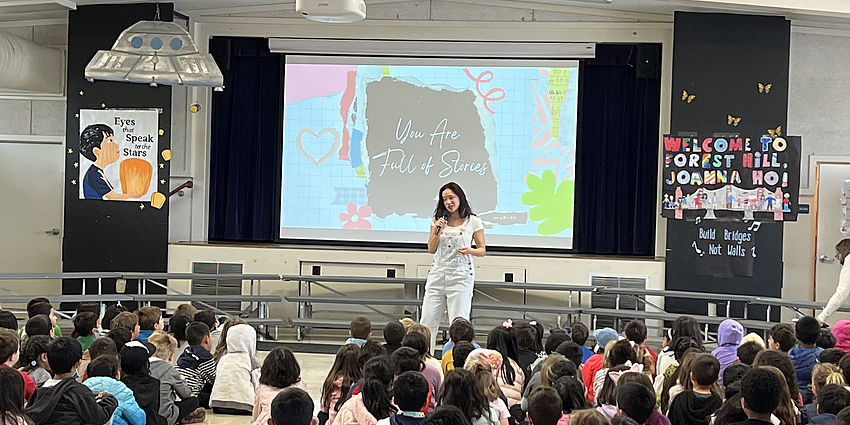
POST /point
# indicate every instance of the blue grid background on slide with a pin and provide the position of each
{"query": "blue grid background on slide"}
(314, 195)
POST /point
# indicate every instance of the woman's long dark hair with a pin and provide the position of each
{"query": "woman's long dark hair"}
(461, 389)
(378, 375)
(34, 348)
(463, 209)
(12, 396)
(347, 366)
(280, 369)
(502, 340)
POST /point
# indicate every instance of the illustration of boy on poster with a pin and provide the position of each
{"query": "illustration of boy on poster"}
(98, 145)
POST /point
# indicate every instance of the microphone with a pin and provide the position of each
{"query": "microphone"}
(439, 228)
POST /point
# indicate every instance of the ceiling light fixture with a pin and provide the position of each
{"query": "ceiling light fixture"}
(155, 52)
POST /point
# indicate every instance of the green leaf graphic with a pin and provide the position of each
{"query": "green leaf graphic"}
(552, 202)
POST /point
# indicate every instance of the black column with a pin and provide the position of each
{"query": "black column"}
(103, 236)
(720, 59)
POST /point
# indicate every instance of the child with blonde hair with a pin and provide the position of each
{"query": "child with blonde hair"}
(480, 366)
(171, 385)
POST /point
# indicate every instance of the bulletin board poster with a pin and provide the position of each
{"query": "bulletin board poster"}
(118, 154)
(735, 178)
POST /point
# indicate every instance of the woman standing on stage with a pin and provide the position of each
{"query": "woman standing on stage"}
(450, 281)
(842, 249)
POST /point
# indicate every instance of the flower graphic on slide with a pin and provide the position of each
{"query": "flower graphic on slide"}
(355, 218)
(551, 201)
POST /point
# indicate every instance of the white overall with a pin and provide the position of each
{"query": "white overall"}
(449, 284)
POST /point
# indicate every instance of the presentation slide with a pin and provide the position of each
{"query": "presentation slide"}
(368, 142)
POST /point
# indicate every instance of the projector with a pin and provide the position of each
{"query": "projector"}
(334, 11)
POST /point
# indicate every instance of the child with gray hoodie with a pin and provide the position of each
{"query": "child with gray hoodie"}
(171, 384)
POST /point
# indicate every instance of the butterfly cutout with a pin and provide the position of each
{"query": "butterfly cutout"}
(732, 120)
(775, 133)
(687, 97)
(765, 88)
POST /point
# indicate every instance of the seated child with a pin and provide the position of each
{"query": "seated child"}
(85, 327)
(544, 406)
(63, 400)
(826, 339)
(410, 394)
(208, 317)
(136, 375)
(361, 330)
(344, 372)
(171, 385)
(233, 391)
(729, 335)
(196, 363)
(177, 327)
(40, 305)
(292, 406)
(129, 321)
(103, 375)
(33, 359)
(150, 319)
(695, 406)
(407, 359)
(831, 355)
(110, 313)
(187, 309)
(38, 325)
(831, 399)
(761, 391)
(101, 346)
(635, 401)
(8, 320)
(9, 353)
(459, 331)
(280, 370)
(805, 356)
(747, 352)
(12, 407)
(393, 333)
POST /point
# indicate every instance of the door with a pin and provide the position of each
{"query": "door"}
(828, 216)
(31, 177)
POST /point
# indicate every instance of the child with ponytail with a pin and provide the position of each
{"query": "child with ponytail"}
(822, 374)
(33, 359)
(374, 401)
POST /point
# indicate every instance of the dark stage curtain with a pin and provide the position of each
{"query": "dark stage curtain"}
(616, 155)
(618, 151)
(245, 139)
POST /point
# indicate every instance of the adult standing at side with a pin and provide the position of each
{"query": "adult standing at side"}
(452, 275)
(842, 249)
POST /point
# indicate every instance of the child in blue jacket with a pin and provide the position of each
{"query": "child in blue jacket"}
(103, 374)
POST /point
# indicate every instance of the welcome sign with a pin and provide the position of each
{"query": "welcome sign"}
(731, 177)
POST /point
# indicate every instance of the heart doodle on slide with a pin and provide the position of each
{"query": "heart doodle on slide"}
(318, 136)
